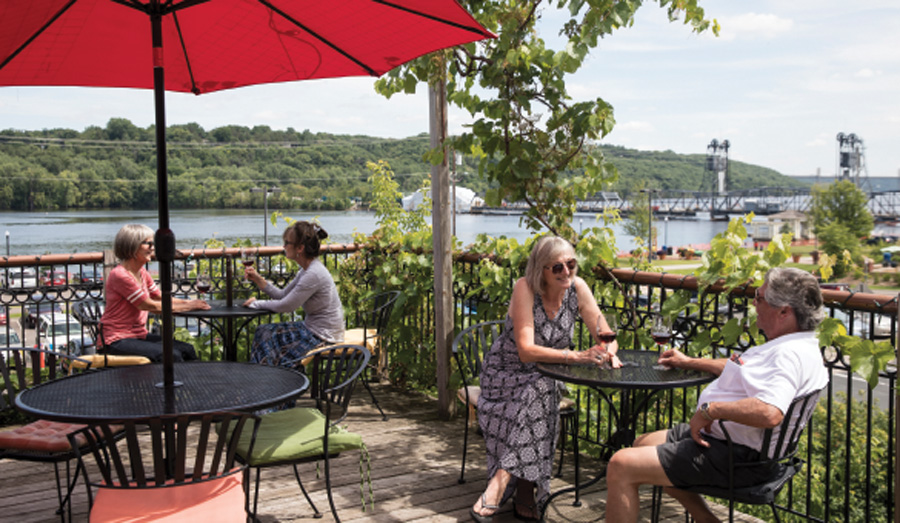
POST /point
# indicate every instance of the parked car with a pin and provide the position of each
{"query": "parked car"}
(90, 275)
(54, 277)
(24, 278)
(35, 310)
(81, 346)
(55, 332)
(9, 340)
(4, 314)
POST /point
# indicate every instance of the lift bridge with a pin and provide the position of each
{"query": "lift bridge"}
(884, 206)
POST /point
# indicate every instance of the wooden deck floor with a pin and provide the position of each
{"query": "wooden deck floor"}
(415, 460)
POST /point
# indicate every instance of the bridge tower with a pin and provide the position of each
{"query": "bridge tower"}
(717, 165)
(851, 161)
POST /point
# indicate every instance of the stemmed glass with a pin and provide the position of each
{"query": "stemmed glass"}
(247, 260)
(204, 283)
(661, 332)
(607, 335)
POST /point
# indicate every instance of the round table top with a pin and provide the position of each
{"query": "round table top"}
(640, 370)
(132, 392)
(218, 309)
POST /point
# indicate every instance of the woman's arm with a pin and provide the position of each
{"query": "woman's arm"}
(178, 305)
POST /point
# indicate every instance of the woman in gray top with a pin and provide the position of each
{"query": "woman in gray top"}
(286, 344)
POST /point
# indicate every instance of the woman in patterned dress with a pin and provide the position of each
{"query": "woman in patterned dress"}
(518, 409)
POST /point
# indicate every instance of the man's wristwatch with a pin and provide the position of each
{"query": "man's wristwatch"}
(704, 410)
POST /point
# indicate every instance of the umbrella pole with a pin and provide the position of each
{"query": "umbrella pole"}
(165, 238)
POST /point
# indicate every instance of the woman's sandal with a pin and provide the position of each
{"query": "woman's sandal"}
(532, 510)
(484, 505)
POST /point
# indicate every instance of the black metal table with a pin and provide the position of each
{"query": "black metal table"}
(132, 392)
(640, 373)
(227, 320)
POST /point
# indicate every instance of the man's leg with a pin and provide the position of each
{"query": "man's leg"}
(628, 469)
(694, 503)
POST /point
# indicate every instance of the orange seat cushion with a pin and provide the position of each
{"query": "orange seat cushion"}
(220, 500)
(39, 436)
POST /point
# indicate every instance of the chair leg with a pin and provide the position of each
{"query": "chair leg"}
(65, 503)
(328, 487)
(316, 513)
(372, 394)
(462, 469)
(656, 504)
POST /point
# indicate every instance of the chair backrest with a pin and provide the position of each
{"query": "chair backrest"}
(155, 452)
(332, 373)
(90, 313)
(377, 311)
(23, 367)
(782, 441)
(470, 345)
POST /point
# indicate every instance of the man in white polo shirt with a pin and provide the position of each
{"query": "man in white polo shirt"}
(752, 392)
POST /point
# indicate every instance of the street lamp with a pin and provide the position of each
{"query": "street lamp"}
(649, 224)
(7, 244)
(267, 191)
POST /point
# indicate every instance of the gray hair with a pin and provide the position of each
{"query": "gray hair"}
(799, 290)
(129, 239)
(545, 250)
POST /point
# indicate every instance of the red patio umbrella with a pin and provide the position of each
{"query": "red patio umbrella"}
(212, 45)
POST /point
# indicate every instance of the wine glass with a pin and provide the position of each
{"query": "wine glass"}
(661, 332)
(608, 335)
(247, 260)
(204, 283)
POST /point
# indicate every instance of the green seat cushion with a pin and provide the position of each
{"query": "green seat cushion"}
(292, 435)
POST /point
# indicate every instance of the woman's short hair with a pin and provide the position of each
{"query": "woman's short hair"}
(128, 240)
(547, 249)
(799, 290)
(307, 235)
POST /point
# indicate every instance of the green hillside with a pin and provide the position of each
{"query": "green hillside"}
(115, 167)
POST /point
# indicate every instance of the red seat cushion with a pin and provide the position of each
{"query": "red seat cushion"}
(38, 436)
(220, 500)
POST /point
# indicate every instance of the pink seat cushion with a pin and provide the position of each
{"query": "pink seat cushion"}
(39, 436)
(219, 500)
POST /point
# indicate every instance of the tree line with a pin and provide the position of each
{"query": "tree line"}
(114, 167)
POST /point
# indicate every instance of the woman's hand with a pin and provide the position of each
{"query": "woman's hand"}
(249, 301)
(251, 274)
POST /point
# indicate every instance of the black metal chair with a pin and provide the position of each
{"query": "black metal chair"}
(779, 451)
(370, 329)
(159, 471)
(90, 313)
(38, 441)
(311, 434)
(468, 348)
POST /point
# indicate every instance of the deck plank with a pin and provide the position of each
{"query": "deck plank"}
(415, 460)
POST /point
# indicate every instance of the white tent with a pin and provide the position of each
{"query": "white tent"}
(465, 199)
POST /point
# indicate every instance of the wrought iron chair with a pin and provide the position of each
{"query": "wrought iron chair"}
(90, 313)
(779, 450)
(153, 473)
(311, 434)
(38, 441)
(468, 348)
(371, 325)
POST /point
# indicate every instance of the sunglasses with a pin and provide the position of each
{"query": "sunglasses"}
(759, 297)
(558, 267)
(148, 243)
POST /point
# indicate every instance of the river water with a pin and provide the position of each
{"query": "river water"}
(92, 231)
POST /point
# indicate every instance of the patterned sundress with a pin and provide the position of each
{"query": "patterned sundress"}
(518, 410)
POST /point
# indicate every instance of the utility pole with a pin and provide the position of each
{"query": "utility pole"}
(267, 191)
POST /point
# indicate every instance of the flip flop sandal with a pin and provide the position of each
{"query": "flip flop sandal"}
(478, 518)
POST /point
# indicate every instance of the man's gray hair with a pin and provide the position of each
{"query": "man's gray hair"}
(798, 290)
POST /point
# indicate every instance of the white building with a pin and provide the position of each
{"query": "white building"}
(465, 199)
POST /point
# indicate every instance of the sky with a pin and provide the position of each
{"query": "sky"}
(781, 80)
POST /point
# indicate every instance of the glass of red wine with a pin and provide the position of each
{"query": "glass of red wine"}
(607, 335)
(204, 283)
(247, 260)
(661, 332)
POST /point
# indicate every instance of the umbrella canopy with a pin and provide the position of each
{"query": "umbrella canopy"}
(201, 46)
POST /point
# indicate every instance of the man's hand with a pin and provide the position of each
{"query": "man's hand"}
(698, 422)
(673, 358)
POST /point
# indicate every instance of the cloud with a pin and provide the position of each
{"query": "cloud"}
(750, 26)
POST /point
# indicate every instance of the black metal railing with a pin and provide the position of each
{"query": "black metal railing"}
(849, 446)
